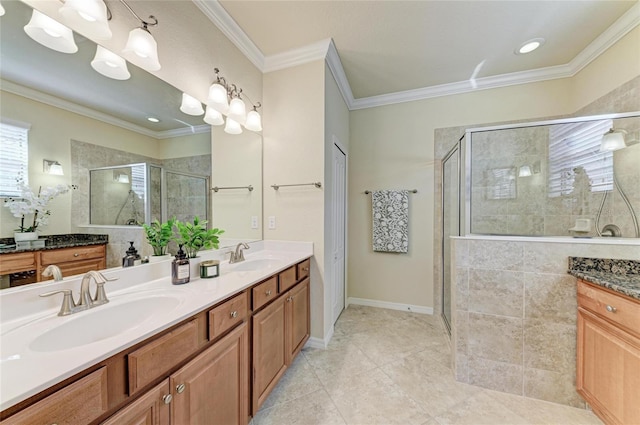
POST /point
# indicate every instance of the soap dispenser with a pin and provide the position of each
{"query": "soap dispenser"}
(180, 272)
(131, 258)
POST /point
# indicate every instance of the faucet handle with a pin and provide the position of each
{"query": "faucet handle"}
(67, 302)
(101, 296)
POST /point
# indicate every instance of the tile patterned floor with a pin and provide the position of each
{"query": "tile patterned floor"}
(391, 367)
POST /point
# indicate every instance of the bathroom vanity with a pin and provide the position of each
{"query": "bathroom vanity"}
(608, 346)
(210, 353)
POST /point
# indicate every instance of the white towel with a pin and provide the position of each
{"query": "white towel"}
(390, 220)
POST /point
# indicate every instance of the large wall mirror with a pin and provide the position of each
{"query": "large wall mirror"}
(94, 125)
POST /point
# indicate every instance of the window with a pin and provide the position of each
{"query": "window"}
(576, 145)
(14, 158)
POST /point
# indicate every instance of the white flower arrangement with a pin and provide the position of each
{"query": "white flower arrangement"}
(31, 203)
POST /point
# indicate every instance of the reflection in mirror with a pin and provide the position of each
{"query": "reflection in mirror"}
(87, 121)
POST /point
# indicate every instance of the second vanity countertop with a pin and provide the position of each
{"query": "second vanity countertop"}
(26, 369)
(621, 276)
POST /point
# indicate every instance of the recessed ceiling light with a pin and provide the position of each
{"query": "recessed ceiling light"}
(529, 46)
(153, 119)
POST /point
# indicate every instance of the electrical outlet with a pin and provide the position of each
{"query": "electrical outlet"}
(272, 222)
(254, 221)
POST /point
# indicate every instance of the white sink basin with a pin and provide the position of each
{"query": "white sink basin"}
(103, 322)
(257, 264)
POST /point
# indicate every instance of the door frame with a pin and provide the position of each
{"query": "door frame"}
(336, 143)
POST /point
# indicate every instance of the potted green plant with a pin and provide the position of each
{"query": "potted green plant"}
(159, 235)
(195, 236)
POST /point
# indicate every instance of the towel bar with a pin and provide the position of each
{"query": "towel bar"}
(366, 192)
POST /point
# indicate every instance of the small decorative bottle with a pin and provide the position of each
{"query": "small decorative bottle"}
(131, 257)
(180, 272)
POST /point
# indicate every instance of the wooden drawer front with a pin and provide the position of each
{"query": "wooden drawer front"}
(20, 262)
(265, 292)
(159, 356)
(228, 315)
(303, 269)
(618, 309)
(56, 256)
(78, 403)
(286, 279)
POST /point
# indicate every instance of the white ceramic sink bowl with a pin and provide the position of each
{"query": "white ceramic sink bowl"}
(257, 264)
(103, 322)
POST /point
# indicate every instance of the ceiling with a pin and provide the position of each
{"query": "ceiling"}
(395, 46)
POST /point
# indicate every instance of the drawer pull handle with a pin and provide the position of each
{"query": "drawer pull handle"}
(234, 314)
(611, 309)
(167, 398)
(268, 292)
(306, 269)
(76, 254)
(180, 388)
(289, 299)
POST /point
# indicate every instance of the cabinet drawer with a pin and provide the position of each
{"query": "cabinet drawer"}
(78, 403)
(71, 254)
(264, 292)
(159, 356)
(20, 262)
(618, 309)
(286, 279)
(227, 315)
(303, 269)
(79, 267)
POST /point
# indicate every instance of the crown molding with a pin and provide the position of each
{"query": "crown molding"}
(298, 56)
(56, 102)
(225, 23)
(335, 66)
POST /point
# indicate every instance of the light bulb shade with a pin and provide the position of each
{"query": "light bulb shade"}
(613, 140)
(110, 65)
(50, 33)
(213, 117)
(191, 105)
(121, 178)
(53, 168)
(232, 127)
(237, 110)
(142, 50)
(524, 171)
(254, 121)
(1, 10)
(218, 98)
(88, 17)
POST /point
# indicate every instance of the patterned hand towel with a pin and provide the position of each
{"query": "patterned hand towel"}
(390, 220)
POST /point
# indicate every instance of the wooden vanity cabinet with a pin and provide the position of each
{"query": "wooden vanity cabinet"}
(150, 409)
(298, 319)
(608, 353)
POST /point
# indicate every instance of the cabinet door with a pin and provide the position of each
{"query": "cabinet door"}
(78, 403)
(608, 374)
(269, 351)
(298, 319)
(213, 388)
(150, 409)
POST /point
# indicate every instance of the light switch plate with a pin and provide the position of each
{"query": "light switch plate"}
(272, 222)
(254, 221)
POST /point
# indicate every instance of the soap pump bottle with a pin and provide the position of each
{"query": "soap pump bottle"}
(131, 257)
(180, 272)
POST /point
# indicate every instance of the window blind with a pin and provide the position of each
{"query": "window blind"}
(578, 145)
(14, 159)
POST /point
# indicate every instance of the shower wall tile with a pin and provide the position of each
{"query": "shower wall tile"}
(556, 387)
(486, 286)
(550, 297)
(497, 338)
(549, 345)
(499, 376)
(462, 288)
(461, 319)
(496, 255)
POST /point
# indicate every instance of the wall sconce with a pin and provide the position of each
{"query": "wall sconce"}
(528, 170)
(88, 16)
(141, 48)
(613, 140)
(110, 65)
(191, 106)
(226, 99)
(50, 33)
(120, 177)
(52, 167)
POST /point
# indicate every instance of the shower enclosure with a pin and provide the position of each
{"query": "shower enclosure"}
(450, 224)
(134, 194)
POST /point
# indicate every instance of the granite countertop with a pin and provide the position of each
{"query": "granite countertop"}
(8, 246)
(622, 276)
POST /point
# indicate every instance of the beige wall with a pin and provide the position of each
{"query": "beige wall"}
(293, 145)
(392, 147)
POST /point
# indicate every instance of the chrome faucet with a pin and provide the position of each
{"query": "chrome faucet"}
(54, 271)
(85, 302)
(238, 255)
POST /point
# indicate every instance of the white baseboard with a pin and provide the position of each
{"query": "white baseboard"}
(391, 306)
(313, 342)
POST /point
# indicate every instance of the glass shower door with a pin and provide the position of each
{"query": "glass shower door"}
(450, 224)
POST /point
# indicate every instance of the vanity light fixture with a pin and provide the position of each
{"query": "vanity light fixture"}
(141, 48)
(52, 167)
(524, 171)
(110, 65)
(213, 117)
(120, 177)
(232, 127)
(613, 140)
(237, 108)
(254, 121)
(1, 10)
(218, 94)
(50, 33)
(529, 46)
(190, 105)
(87, 16)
